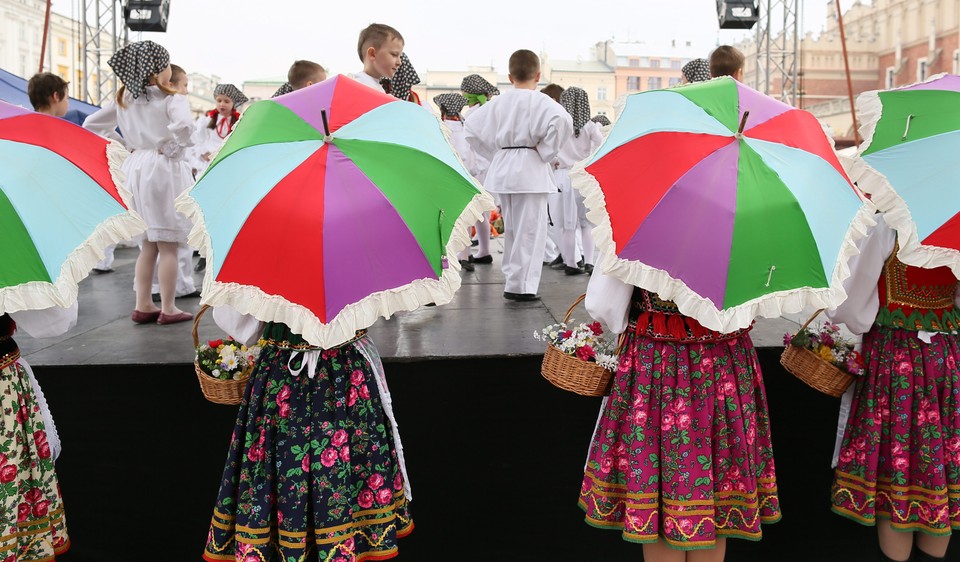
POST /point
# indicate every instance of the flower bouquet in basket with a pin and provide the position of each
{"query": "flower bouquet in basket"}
(578, 357)
(822, 358)
(227, 359)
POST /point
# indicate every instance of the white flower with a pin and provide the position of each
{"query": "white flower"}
(216, 373)
(230, 363)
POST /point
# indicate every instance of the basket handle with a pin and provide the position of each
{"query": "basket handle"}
(807, 323)
(579, 300)
(196, 325)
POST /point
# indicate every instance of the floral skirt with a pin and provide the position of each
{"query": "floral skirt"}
(682, 449)
(900, 456)
(312, 472)
(32, 525)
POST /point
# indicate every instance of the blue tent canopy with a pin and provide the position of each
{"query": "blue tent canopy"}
(13, 89)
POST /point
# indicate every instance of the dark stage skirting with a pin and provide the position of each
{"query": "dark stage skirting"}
(495, 456)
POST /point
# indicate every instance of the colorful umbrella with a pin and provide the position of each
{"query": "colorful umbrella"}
(61, 204)
(326, 232)
(724, 200)
(911, 138)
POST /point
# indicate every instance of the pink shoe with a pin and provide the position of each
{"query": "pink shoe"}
(174, 318)
(145, 317)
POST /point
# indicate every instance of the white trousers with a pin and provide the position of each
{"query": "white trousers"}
(524, 239)
(554, 226)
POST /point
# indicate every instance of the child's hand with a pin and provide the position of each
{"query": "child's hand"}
(205, 156)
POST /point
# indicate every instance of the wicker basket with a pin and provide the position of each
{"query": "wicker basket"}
(228, 392)
(812, 369)
(574, 374)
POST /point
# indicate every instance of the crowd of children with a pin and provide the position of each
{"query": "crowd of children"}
(681, 457)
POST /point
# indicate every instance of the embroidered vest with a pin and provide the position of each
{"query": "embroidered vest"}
(913, 298)
(659, 319)
(9, 352)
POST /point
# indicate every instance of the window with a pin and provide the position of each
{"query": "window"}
(654, 63)
(633, 83)
(888, 82)
(62, 47)
(956, 61)
(921, 69)
(635, 62)
(674, 81)
(63, 72)
(601, 93)
(654, 83)
(675, 64)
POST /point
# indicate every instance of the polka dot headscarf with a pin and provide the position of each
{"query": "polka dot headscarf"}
(231, 92)
(577, 104)
(136, 63)
(697, 70)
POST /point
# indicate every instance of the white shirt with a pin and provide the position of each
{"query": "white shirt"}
(519, 118)
(153, 121)
(459, 143)
(580, 147)
(367, 80)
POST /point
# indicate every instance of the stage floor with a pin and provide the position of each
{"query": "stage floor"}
(479, 322)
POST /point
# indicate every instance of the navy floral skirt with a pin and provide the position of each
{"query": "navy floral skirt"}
(312, 472)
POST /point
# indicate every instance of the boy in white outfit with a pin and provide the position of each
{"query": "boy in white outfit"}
(521, 132)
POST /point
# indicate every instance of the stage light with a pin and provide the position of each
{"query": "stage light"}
(737, 14)
(147, 15)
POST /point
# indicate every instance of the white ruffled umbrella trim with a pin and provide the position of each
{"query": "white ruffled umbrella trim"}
(692, 304)
(38, 295)
(896, 213)
(248, 299)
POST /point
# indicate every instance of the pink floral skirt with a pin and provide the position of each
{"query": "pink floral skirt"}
(682, 449)
(900, 457)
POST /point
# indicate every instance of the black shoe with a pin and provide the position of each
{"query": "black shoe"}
(201, 264)
(196, 253)
(484, 259)
(573, 270)
(466, 265)
(520, 297)
(193, 295)
(555, 262)
(588, 268)
(155, 297)
(99, 271)
(474, 242)
(580, 263)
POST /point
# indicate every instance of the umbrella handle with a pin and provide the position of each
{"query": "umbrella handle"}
(196, 325)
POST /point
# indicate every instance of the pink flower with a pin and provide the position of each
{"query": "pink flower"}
(666, 422)
(860, 443)
(33, 495)
(43, 451)
(953, 444)
(364, 392)
(951, 363)
(729, 389)
(933, 416)
(375, 482)
(284, 393)
(3, 459)
(255, 454)
(566, 334)
(345, 453)
(706, 363)
(328, 457)
(352, 396)
(8, 473)
(23, 512)
(623, 464)
(398, 482)
(39, 436)
(348, 544)
(751, 434)
(686, 525)
(305, 463)
(904, 368)
(679, 405)
(284, 409)
(357, 378)
(669, 525)
(384, 495)
(586, 353)
(40, 508)
(339, 438)
(279, 516)
(606, 463)
(365, 498)
(683, 421)
(595, 328)
(900, 463)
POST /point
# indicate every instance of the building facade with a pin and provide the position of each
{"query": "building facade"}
(640, 66)
(594, 76)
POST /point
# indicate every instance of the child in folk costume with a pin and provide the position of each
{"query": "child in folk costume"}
(48, 94)
(478, 91)
(521, 132)
(157, 127)
(601, 120)
(32, 522)
(571, 211)
(403, 81)
(899, 459)
(215, 126)
(681, 457)
(697, 70)
(552, 255)
(315, 467)
(451, 106)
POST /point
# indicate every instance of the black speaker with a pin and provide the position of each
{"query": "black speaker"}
(737, 14)
(147, 15)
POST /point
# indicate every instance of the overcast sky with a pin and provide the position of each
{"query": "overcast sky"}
(256, 39)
